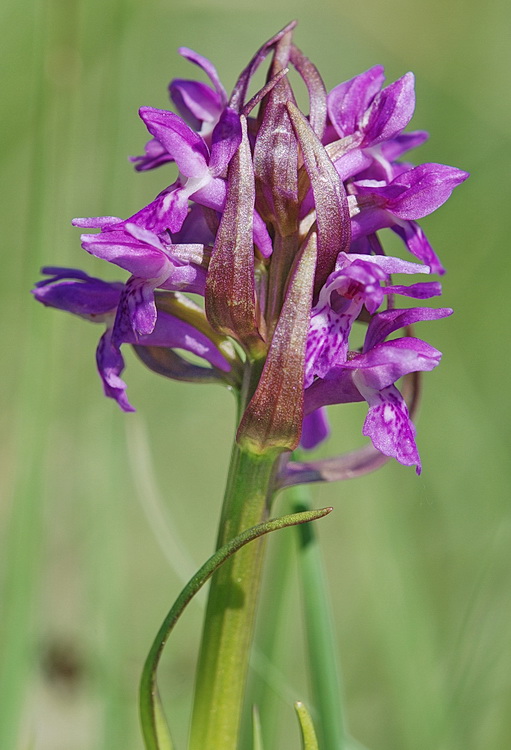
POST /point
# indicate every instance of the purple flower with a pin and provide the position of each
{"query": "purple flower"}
(278, 220)
(371, 376)
(355, 283)
(152, 262)
(100, 302)
(411, 195)
(199, 105)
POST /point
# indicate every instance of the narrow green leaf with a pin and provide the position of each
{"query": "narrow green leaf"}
(257, 742)
(154, 728)
(325, 680)
(309, 739)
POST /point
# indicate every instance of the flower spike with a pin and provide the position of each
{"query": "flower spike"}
(267, 195)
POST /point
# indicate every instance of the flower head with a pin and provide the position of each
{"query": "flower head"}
(277, 219)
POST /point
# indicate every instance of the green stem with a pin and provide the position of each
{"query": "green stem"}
(229, 621)
(319, 624)
(154, 725)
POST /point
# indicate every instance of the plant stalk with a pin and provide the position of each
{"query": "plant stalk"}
(229, 620)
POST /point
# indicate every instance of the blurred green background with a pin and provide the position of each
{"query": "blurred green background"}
(104, 514)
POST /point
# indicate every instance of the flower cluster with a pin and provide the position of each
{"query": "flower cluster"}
(275, 220)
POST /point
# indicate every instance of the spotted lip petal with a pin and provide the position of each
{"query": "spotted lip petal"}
(355, 283)
(389, 426)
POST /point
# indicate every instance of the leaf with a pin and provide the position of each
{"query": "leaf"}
(309, 739)
(257, 731)
(154, 727)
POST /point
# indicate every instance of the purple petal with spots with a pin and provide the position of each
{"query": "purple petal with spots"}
(327, 339)
(389, 426)
(136, 311)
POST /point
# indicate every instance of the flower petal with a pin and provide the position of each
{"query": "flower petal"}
(315, 429)
(390, 112)
(196, 103)
(348, 101)
(424, 189)
(141, 254)
(225, 140)
(185, 146)
(208, 67)
(387, 362)
(389, 426)
(384, 323)
(76, 292)
(110, 365)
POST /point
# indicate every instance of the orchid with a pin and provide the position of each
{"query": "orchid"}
(277, 222)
